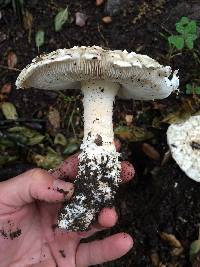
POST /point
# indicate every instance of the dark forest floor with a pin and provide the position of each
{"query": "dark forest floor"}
(161, 199)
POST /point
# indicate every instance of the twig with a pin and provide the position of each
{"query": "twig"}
(71, 120)
(2, 122)
(102, 36)
(9, 68)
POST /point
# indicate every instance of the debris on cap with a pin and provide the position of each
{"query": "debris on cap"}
(139, 76)
(184, 142)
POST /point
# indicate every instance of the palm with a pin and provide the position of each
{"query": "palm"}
(43, 243)
(27, 217)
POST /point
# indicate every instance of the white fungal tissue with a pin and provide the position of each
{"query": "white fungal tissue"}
(184, 142)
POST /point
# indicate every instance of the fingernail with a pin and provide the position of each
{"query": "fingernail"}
(63, 187)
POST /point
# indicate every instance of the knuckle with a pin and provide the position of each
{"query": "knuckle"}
(37, 174)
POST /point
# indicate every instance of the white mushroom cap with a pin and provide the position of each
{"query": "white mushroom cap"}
(184, 142)
(140, 76)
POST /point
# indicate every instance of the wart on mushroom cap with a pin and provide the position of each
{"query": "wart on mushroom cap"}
(101, 75)
(184, 142)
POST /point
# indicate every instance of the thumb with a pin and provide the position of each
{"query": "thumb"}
(36, 184)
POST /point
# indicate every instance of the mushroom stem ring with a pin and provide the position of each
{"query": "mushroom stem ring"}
(99, 167)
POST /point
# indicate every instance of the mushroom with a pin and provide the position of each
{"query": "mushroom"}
(101, 75)
(184, 142)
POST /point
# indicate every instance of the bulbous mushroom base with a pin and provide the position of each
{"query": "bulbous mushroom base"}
(99, 168)
(95, 188)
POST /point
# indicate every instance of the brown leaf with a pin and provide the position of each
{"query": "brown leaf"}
(107, 19)
(133, 133)
(171, 239)
(6, 89)
(54, 118)
(11, 59)
(150, 151)
(129, 119)
(155, 259)
(28, 23)
(99, 2)
(177, 251)
(177, 116)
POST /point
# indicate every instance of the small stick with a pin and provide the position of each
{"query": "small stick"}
(9, 68)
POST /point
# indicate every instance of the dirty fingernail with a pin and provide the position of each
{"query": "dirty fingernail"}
(63, 187)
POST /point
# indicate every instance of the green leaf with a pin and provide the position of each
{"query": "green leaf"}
(132, 134)
(194, 249)
(197, 90)
(5, 143)
(71, 148)
(25, 135)
(191, 27)
(6, 158)
(177, 41)
(189, 40)
(39, 39)
(48, 161)
(180, 28)
(9, 111)
(60, 140)
(60, 19)
(184, 20)
(188, 88)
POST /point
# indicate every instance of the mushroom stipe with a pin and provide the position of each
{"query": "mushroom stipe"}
(101, 75)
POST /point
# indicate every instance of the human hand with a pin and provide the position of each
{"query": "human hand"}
(29, 205)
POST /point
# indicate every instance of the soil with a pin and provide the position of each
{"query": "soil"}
(161, 198)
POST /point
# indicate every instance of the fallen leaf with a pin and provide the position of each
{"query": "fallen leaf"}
(171, 240)
(132, 134)
(48, 161)
(150, 151)
(155, 259)
(99, 2)
(6, 158)
(60, 140)
(28, 23)
(9, 111)
(54, 118)
(72, 147)
(80, 19)
(177, 251)
(6, 89)
(107, 19)
(61, 18)
(39, 39)
(5, 143)
(25, 135)
(129, 119)
(11, 59)
(194, 249)
(176, 117)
